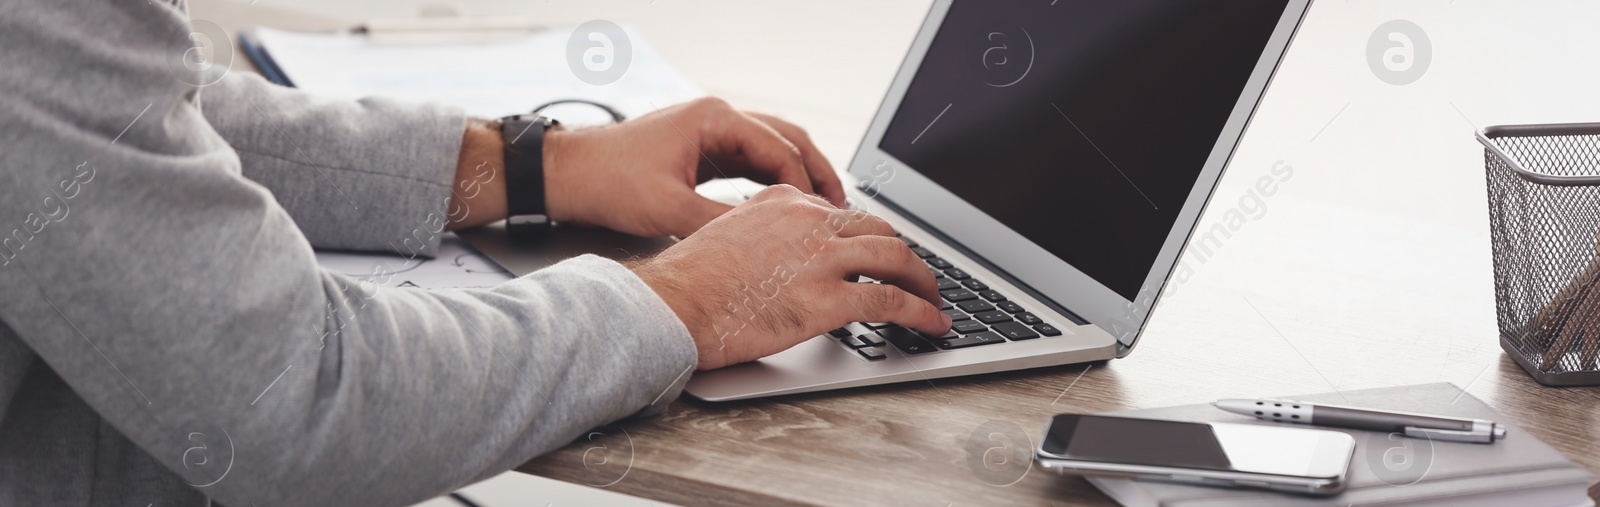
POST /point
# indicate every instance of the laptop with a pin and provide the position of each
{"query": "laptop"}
(1048, 161)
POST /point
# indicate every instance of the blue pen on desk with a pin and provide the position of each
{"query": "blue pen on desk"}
(1433, 427)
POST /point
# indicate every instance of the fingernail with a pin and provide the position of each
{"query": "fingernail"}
(946, 319)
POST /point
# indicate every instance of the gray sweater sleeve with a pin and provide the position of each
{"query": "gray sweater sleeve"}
(176, 296)
(354, 175)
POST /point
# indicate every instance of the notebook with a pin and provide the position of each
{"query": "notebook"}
(1520, 470)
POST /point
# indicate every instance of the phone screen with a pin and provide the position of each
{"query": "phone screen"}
(1225, 447)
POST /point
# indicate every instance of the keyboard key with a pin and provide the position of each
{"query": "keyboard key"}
(878, 325)
(945, 305)
(975, 307)
(957, 274)
(956, 315)
(957, 296)
(969, 327)
(921, 252)
(855, 342)
(992, 296)
(992, 317)
(1015, 331)
(906, 340)
(1010, 307)
(936, 339)
(872, 340)
(1047, 330)
(936, 273)
(908, 241)
(939, 263)
(974, 284)
(872, 353)
(948, 284)
(840, 333)
(1029, 319)
(971, 340)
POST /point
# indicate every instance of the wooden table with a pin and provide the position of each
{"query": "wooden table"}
(1370, 268)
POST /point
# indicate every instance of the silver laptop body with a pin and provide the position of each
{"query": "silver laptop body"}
(1058, 155)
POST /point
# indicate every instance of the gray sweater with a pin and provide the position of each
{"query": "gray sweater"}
(166, 337)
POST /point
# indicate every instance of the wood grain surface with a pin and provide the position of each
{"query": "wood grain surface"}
(1370, 268)
(909, 444)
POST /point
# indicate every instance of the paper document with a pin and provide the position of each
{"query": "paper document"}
(456, 266)
(488, 79)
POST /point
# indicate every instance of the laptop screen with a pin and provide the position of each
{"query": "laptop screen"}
(1117, 103)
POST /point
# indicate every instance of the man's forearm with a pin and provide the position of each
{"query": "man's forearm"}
(360, 175)
(479, 194)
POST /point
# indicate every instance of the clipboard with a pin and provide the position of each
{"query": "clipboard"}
(422, 29)
(490, 67)
(264, 63)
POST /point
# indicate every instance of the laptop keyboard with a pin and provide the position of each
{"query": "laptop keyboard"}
(980, 316)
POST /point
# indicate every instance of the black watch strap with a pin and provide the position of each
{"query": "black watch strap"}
(524, 152)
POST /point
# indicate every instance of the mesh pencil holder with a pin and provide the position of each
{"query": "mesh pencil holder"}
(1544, 219)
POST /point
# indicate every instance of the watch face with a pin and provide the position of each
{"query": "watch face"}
(515, 128)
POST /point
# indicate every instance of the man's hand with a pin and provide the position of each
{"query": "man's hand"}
(780, 269)
(638, 177)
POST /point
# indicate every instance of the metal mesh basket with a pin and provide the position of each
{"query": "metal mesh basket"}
(1544, 218)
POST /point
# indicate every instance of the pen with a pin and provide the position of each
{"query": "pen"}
(1433, 427)
(446, 29)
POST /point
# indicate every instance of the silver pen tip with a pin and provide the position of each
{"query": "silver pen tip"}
(1213, 403)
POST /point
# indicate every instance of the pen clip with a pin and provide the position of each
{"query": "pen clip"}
(1449, 435)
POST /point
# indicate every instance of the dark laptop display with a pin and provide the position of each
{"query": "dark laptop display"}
(1082, 127)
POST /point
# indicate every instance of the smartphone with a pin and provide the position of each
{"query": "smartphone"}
(1280, 458)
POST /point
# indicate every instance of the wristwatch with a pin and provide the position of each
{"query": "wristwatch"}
(524, 152)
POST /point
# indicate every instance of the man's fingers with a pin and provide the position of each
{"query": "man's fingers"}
(771, 157)
(823, 178)
(890, 260)
(853, 223)
(871, 302)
